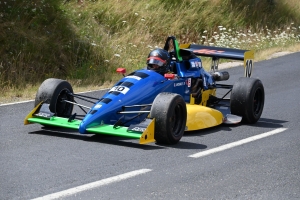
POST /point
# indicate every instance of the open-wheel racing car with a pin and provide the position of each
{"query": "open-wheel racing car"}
(151, 106)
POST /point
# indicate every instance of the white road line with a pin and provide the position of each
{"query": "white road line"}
(237, 143)
(8, 104)
(92, 185)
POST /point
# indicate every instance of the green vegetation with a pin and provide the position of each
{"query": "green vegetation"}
(85, 41)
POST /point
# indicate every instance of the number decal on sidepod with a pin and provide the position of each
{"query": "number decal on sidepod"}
(248, 70)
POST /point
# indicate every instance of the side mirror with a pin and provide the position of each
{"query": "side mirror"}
(121, 71)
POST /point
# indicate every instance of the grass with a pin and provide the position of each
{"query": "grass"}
(85, 42)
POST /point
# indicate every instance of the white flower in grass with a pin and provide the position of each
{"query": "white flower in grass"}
(106, 60)
(136, 14)
(117, 55)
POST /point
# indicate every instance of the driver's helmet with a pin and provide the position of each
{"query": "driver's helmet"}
(158, 60)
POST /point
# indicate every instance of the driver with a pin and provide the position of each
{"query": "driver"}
(159, 61)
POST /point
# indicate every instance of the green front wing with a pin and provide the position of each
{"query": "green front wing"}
(145, 137)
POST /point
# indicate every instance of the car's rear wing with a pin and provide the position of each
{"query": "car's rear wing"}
(217, 53)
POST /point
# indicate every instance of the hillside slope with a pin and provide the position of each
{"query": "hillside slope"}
(85, 41)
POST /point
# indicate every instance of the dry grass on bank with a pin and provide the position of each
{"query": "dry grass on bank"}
(17, 95)
(84, 43)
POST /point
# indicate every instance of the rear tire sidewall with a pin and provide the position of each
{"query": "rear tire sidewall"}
(247, 99)
(169, 111)
(52, 91)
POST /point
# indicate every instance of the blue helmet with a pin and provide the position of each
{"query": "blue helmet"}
(159, 57)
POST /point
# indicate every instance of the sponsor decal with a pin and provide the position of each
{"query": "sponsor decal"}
(196, 64)
(45, 115)
(179, 84)
(140, 129)
(134, 77)
(98, 106)
(208, 51)
(193, 64)
(189, 82)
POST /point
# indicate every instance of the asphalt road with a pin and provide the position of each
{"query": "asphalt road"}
(35, 162)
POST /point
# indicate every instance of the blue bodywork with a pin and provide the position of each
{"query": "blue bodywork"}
(141, 87)
(130, 108)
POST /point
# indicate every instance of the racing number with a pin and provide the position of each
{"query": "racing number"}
(120, 89)
(248, 70)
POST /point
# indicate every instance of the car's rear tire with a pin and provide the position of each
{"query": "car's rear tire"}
(53, 91)
(247, 99)
(169, 111)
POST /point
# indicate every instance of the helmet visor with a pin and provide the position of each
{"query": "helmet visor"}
(156, 61)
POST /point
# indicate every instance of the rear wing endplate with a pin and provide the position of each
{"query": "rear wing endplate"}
(217, 53)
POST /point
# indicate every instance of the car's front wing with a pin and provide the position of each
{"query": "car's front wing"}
(143, 132)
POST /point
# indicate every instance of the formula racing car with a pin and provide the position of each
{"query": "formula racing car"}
(158, 107)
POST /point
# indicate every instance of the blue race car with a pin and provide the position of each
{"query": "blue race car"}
(172, 95)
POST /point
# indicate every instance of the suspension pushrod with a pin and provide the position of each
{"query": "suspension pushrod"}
(81, 108)
(80, 97)
(77, 104)
(137, 105)
(133, 112)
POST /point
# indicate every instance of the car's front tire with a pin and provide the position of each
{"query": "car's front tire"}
(169, 111)
(53, 91)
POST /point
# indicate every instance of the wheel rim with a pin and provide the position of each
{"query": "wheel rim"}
(176, 121)
(62, 107)
(257, 102)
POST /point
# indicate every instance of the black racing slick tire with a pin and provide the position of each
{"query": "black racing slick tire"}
(53, 91)
(247, 99)
(169, 111)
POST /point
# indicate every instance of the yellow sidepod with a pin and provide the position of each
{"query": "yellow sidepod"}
(200, 117)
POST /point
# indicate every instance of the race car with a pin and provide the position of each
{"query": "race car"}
(154, 107)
